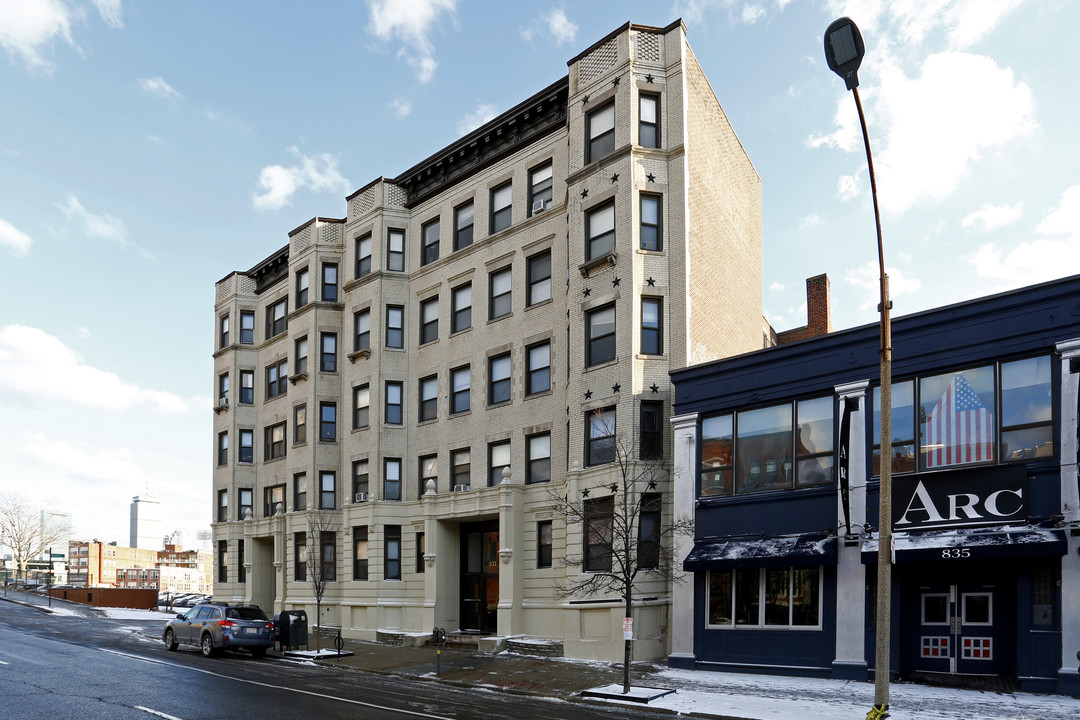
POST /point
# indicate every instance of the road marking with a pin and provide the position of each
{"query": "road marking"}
(155, 712)
(273, 687)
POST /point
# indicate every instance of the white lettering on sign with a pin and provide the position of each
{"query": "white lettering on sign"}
(962, 506)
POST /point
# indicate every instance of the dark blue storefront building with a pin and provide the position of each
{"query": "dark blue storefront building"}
(777, 457)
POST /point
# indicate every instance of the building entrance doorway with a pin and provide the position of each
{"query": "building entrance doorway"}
(959, 630)
(480, 576)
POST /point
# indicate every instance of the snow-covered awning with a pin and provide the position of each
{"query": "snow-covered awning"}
(812, 549)
(973, 543)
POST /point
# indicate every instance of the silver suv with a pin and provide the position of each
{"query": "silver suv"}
(216, 626)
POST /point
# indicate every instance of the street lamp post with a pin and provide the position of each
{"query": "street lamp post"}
(844, 52)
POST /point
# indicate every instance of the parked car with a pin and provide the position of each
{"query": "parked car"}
(217, 626)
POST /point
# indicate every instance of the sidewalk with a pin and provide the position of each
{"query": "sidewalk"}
(729, 696)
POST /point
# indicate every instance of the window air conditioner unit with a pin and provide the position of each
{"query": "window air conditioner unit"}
(539, 206)
(461, 488)
(361, 497)
(223, 403)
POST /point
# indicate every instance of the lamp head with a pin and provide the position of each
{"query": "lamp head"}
(844, 50)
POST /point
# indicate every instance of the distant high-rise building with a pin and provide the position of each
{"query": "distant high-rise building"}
(146, 523)
(56, 525)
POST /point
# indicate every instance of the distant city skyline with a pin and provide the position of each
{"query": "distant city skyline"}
(148, 150)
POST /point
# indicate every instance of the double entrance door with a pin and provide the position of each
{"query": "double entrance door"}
(959, 630)
(480, 576)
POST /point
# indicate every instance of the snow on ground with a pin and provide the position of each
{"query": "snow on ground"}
(770, 697)
(133, 614)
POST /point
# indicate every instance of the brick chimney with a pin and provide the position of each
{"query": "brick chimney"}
(818, 310)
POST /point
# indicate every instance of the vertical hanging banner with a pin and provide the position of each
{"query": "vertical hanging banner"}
(850, 404)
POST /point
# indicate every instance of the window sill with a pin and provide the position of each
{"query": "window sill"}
(425, 343)
(540, 303)
(359, 354)
(604, 364)
(605, 259)
(300, 444)
(461, 413)
(462, 331)
(504, 403)
(650, 356)
(220, 408)
(541, 394)
(360, 429)
(293, 379)
(501, 317)
(429, 421)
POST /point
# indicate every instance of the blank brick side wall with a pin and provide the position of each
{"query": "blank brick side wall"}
(725, 273)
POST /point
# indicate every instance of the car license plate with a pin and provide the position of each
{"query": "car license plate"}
(251, 631)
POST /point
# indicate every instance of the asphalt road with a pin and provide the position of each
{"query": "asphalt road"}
(90, 667)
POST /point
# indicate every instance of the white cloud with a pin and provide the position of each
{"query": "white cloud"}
(29, 29)
(157, 86)
(1065, 218)
(84, 333)
(411, 22)
(964, 22)
(103, 226)
(401, 108)
(848, 187)
(36, 364)
(317, 173)
(776, 286)
(82, 460)
(1041, 259)
(476, 118)
(991, 217)
(866, 279)
(111, 12)
(14, 239)
(811, 220)
(938, 126)
(751, 13)
(553, 24)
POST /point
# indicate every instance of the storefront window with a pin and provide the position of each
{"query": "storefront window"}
(765, 597)
(717, 442)
(763, 435)
(1027, 415)
(956, 413)
(903, 428)
(994, 413)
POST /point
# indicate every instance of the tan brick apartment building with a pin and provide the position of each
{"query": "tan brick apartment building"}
(95, 563)
(473, 314)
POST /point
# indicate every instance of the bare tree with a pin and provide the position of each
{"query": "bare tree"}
(624, 539)
(321, 560)
(22, 530)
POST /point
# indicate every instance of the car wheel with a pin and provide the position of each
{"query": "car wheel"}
(170, 641)
(207, 645)
(258, 652)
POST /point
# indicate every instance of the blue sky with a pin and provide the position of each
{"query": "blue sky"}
(149, 149)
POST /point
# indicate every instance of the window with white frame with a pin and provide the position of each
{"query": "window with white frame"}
(538, 269)
(276, 314)
(540, 188)
(429, 320)
(328, 358)
(429, 233)
(361, 406)
(463, 225)
(429, 398)
(362, 330)
(600, 131)
(600, 448)
(301, 288)
(501, 207)
(392, 479)
(499, 368)
(461, 308)
(649, 120)
(363, 256)
(395, 249)
(538, 368)
(498, 458)
(775, 597)
(329, 282)
(501, 282)
(538, 458)
(600, 231)
(461, 379)
(395, 326)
